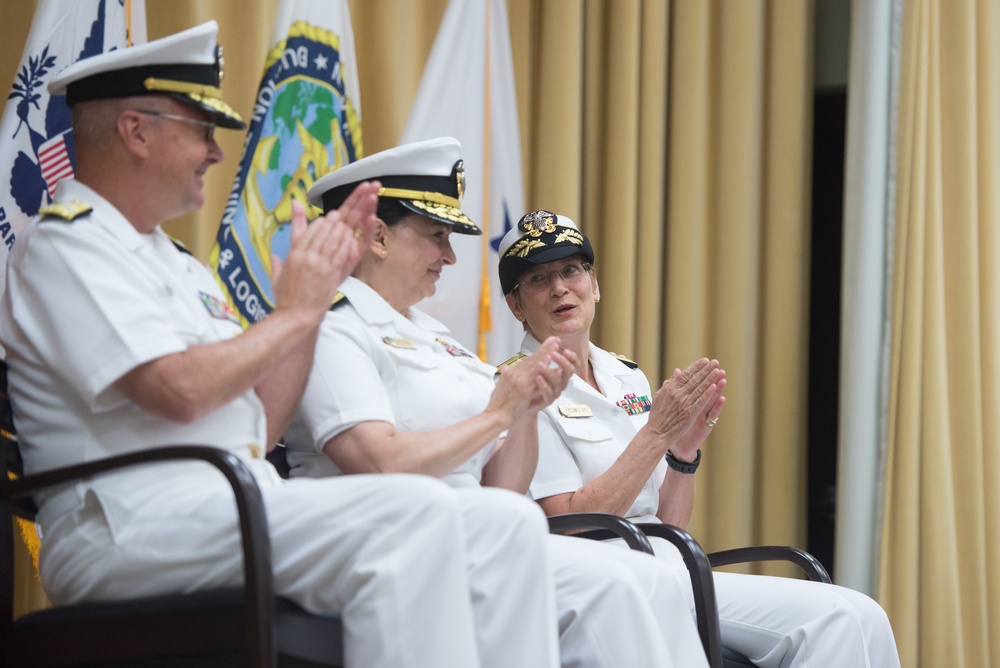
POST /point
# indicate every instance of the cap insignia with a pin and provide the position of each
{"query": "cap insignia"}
(220, 62)
(460, 178)
(538, 222)
(68, 211)
(523, 247)
(570, 235)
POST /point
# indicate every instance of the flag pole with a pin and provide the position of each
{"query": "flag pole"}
(485, 321)
(128, 22)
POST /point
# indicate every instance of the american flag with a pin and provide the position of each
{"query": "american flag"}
(55, 163)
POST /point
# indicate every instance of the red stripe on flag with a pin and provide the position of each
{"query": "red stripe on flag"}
(54, 161)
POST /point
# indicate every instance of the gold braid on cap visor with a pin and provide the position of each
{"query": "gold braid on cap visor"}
(185, 87)
(420, 195)
(210, 96)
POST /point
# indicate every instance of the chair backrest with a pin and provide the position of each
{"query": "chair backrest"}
(8, 434)
(10, 453)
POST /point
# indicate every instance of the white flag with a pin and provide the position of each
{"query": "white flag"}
(36, 138)
(471, 66)
(306, 121)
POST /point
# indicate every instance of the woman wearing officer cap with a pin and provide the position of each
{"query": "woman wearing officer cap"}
(391, 391)
(608, 444)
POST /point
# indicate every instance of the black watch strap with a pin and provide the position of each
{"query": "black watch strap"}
(683, 467)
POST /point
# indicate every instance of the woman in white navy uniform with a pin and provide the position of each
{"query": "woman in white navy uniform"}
(414, 400)
(608, 444)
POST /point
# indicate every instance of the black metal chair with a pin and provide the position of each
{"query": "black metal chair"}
(244, 625)
(699, 565)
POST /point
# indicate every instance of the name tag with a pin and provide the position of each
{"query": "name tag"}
(406, 344)
(577, 411)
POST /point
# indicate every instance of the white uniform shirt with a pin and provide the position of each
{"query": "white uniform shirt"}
(130, 298)
(373, 363)
(583, 432)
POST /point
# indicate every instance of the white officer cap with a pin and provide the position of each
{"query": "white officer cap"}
(186, 65)
(427, 177)
(539, 237)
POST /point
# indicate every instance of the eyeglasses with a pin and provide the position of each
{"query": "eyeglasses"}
(208, 125)
(571, 274)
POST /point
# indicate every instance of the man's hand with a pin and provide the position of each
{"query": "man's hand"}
(325, 252)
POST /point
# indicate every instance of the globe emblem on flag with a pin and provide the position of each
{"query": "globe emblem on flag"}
(303, 126)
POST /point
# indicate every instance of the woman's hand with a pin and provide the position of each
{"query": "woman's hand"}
(552, 377)
(533, 383)
(684, 404)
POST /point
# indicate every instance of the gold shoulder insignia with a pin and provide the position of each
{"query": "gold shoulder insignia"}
(511, 362)
(68, 211)
(338, 299)
(624, 360)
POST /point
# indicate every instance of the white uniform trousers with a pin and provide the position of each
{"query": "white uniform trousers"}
(790, 623)
(612, 611)
(384, 551)
(619, 608)
(513, 602)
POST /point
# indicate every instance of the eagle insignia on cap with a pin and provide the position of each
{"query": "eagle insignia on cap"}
(220, 62)
(460, 178)
(537, 223)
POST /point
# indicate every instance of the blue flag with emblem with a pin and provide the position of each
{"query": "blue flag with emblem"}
(306, 121)
(36, 138)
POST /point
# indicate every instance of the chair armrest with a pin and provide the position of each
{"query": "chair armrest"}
(811, 566)
(600, 526)
(253, 521)
(702, 584)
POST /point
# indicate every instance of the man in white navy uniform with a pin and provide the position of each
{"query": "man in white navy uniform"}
(609, 444)
(390, 390)
(117, 341)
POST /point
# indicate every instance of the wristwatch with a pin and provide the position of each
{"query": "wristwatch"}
(683, 467)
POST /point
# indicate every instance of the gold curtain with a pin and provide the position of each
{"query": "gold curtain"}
(736, 253)
(677, 134)
(941, 533)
